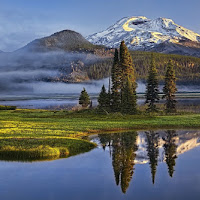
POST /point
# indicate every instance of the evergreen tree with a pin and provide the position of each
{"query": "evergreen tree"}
(170, 89)
(128, 81)
(103, 100)
(116, 82)
(126, 64)
(152, 89)
(84, 99)
(109, 94)
(128, 98)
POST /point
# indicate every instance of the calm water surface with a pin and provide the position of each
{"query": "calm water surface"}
(59, 99)
(134, 165)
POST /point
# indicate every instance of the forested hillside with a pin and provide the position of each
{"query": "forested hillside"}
(187, 68)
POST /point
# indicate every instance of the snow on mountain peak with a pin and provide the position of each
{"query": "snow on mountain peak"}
(143, 33)
(134, 21)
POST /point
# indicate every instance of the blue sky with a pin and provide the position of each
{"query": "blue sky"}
(21, 21)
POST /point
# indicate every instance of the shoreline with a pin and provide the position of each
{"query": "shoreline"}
(60, 131)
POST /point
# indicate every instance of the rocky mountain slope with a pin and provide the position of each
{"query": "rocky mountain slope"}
(160, 35)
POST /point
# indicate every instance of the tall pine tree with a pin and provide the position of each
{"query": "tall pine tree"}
(170, 89)
(152, 89)
(103, 100)
(126, 64)
(116, 83)
(128, 98)
(128, 81)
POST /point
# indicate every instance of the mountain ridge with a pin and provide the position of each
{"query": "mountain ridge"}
(143, 34)
(65, 40)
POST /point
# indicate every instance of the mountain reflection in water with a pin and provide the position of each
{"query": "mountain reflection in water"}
(145, 147)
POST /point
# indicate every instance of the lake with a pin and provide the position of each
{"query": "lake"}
(58, 96)
(186, 100)
(162, 164)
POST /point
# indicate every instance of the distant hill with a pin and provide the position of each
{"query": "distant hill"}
(65, 40)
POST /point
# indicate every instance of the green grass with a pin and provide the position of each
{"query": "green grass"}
(41, 134)
(27, 149)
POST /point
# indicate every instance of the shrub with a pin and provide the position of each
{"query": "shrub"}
(8, 107)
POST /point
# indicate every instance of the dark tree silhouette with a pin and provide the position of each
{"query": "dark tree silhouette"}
(128, 98)
(103, 100)
(170, 150)
(152, 89)
(170, 89)
(84, 99)
(152, 152)
(116, 83)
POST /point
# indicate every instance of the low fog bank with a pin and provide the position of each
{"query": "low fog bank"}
(23, 72)
(57, 96)
(91, 87)
(27, 73)
(42, 88)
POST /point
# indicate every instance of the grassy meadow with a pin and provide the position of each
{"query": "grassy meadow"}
(41, 134)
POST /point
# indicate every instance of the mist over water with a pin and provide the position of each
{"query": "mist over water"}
(93, 86)
(23, 72)
(48, 95)
(23, 82)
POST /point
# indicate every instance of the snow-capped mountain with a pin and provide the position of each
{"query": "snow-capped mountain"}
(140, 33)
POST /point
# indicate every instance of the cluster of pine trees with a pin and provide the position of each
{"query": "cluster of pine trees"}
(169, 89)
(121, 95)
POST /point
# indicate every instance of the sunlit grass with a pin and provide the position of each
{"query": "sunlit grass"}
(38, 123)
(29, 149)
(39, 131)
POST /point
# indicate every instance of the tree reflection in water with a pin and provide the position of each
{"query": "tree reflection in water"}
(123, 150)
(170, 150)
(123, 155)
(152, 152)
